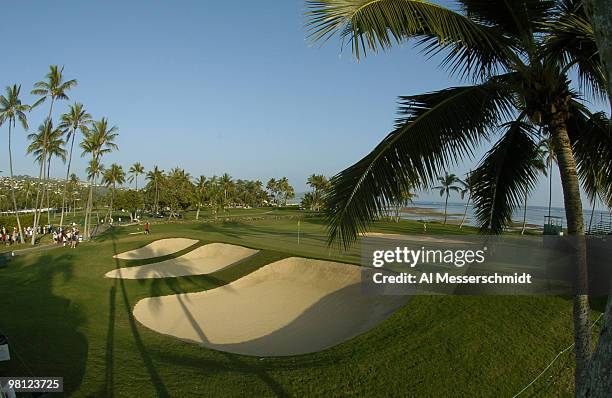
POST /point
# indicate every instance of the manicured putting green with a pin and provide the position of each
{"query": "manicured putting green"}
(159, 248)
(203, 260)
(289, 307)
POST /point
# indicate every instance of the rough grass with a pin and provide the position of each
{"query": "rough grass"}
(63, 318)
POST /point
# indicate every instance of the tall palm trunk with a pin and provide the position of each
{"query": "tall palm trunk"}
(89, 209)
(575, 226)
(42, 168)
(525, 212)
(198, 212)
(549, 190)
(36, 204)
(110, 211)
(592, 214)
(466, 210)
(600, 382)
(446, 207)
(67, 177)
(47, 189)
(156, 197)
(12, 183)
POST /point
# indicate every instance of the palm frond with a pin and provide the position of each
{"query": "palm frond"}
(570, 40)
(37, 102)
(591, 137)
(511, 17)
(501, 178)
(23, 120)
(435, 130)
(373, 25)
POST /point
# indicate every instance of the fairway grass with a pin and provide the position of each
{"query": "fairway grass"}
(63, 318)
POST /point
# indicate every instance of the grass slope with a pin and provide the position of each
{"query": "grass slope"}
(63, 318)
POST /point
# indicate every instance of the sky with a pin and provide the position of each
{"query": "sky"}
(214, 87)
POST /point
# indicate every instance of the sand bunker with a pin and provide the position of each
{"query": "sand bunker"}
(203, 260)
(159, 248)
(290, 307)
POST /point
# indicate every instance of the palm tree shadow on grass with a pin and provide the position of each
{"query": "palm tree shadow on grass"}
(146, 358)
(174, 285)
(44, 327)
(109, 379)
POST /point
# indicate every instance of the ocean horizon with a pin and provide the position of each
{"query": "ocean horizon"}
(535, 214)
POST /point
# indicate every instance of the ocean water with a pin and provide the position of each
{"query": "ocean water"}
(535, 214)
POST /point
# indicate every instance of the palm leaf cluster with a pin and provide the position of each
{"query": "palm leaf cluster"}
(518, 56)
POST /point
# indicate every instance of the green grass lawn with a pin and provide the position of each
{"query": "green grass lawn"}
(63, 318)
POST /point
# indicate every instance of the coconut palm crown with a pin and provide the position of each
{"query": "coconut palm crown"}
(135, 170)
(518, 56)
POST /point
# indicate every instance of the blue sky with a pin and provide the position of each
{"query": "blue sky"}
(214, 87)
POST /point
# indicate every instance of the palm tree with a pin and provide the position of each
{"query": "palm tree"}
(76, 119)
(74, 184)
(600, 384)
(518, 56)
(215, 194)
(261, 194)
(55, 88)
(48, 142)
(111, 177)
(405, 199)
(538, 164)
(272, 186)
(285, 189)
(548, 153)
(226, 184)
(97, 141)
(155, 176)
(180, 191)
(467, 187)
(446, 186)
(136, 170)
(11, 110)
(27, 187)
(93, 170)
(200, 192)
(319, 184)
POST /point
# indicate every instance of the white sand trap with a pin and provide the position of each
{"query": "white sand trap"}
(159, 248)
(290, 307)
(203, 260)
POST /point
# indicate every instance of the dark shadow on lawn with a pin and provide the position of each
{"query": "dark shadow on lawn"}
(41, 324)
(174, 285)
(146, 358)
(161, 286)
(109, 380)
